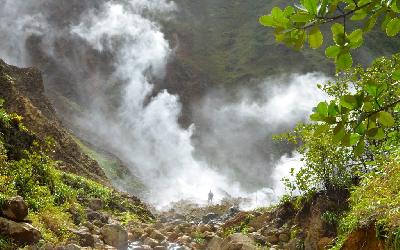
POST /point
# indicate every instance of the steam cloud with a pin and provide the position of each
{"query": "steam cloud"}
(118, 48)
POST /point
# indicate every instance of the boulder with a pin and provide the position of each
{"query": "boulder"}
(259, 221)
(172, 236)
(15, 209)
(157, 235)
(272, 239)
(114, 235)
(215, 243)
(84, 237)
(258, 238)
(95, 204)
(150, 242)
(209, 217)
(238, 241)
(204, 228)
(96, 216)
(284, 237)
(22, 233)
(236, 220)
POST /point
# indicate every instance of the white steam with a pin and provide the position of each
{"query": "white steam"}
(228, 149)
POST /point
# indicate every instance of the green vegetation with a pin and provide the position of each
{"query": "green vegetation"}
(353, 141)
(296, 25)
(51, 194)
(114, 169)
(242, 227)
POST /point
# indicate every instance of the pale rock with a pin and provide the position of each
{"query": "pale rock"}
(114, 235)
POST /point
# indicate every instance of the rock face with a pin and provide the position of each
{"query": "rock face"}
(21, 232)
(115, 235)
(15, 209)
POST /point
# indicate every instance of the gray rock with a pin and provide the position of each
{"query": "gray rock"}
(15, 209)
(95, 204)
(23, 233)
(209, 217)
(94, 215)
(84, 237)
(114, 235)
(151, 242)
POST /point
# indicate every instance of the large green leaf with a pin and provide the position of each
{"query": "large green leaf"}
(311, 6)
(354, 139)
(338, 132)
(349, 101)
(359, 15)
(333, 109)
(395, 6)
(356, 38)
(386, 119)
(346, 140)
(393, 27)
(267, 21)
(376, 133)
(344, 61)
(371, 88)
(338, 33)
(332, 51)
(315, 37)
(322, 109)
(301, 17)
(359, 149)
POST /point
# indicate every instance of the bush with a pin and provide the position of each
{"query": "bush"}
(354, 132)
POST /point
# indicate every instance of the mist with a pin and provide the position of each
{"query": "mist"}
(110, 53)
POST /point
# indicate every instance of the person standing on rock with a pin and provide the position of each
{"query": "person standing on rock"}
(210, 197)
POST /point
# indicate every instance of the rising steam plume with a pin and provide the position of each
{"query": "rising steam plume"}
(104, 55)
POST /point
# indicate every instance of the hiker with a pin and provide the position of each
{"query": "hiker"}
(210, 197)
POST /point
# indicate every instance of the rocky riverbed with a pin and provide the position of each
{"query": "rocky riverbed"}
(188, 226)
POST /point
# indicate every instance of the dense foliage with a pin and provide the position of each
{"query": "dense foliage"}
(296, 25)
(356, 130)
(353, 140)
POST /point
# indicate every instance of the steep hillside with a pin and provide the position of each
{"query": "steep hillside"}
(23, 92)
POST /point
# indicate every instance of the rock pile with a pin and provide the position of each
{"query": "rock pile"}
(13, 223)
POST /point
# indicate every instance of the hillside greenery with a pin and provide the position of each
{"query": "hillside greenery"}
(54, 197)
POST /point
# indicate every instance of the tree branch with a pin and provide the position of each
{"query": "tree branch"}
(334, 18)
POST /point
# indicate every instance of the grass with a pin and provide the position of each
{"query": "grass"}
(113, 169)
(376, 201)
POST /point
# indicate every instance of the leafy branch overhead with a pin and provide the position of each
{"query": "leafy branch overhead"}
(298, 24)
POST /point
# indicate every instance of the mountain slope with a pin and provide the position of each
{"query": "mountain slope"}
(23, 92)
